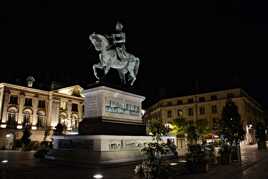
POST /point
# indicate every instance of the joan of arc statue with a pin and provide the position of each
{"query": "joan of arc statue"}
(119, 40)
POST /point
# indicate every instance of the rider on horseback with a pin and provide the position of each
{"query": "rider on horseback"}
(119, 40)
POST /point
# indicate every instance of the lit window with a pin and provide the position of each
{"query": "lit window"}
(230, 95)
(214, 108)
(11, 120)
(169, 114)
(179, 102)
(28, 102)
(214, 97)
(201, 99)
(41, 104)
(13, 99)
(179, 111)
(190, 112)
(41, 123)
(169, 103)
(190, 100)
(26, 119)
(202, 110)
(74, 107)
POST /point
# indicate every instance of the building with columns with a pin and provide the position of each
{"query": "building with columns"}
(41, 109)
(208, 107)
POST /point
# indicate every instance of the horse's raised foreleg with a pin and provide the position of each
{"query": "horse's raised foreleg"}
(132, 75)
(95, 66)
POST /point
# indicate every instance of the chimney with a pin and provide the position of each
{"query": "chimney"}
(30, 80)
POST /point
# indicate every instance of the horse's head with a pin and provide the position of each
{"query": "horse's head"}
(100, 42)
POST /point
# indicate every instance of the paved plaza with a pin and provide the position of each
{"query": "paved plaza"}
(23, 165)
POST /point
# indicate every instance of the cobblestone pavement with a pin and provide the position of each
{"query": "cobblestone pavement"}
(22, 165)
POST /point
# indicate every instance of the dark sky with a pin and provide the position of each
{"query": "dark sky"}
(220, 44)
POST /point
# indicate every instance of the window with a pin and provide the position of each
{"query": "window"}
(26, 119)
(214, 123)
(179, 112)
(63, 105)
(13, 99)
(169, 114)
(28, 102)
(191, 122)
(202, 122)
(190, 100)
(169, 103)
(41, 104)
(202, 99)
(74, 122)
(179, 102)
(11, 120)
(214, 97)
(190, 112)
(230, 95)
(74, 107)
(41, 121)
(202, 110)
(214, 108)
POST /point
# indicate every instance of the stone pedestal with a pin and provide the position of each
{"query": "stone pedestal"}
(112, 130)
(112, 111)
(100, 149)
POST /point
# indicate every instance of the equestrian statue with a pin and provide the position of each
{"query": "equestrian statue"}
(113, 54)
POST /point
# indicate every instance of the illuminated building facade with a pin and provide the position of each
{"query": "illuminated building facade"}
(42, 110)
(208, 106)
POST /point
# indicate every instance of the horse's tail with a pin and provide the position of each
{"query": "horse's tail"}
(137, 64)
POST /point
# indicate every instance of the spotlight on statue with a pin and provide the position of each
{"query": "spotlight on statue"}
(4, 161)
(98, 176)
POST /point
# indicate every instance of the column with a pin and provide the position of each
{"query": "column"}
(49, 111)
(80, 111)
(5, 103)
(1, 101)
(34, 117)
(69, 114)
(55, 112)
(21, 106)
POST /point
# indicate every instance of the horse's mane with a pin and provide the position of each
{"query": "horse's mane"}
(103, 39)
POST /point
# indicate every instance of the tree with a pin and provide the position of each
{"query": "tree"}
(150, 167)
(158, 129)
(203, 128)
(181, 127)
(192, 133)
(231, 128)
(231, 131)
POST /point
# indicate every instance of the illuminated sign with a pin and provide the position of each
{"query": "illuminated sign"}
(122, 108)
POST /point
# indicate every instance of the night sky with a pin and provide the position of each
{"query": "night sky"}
(217, 45)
